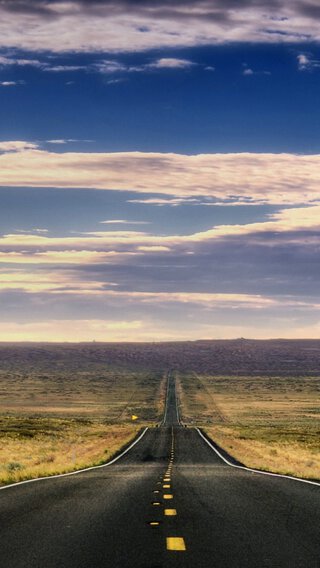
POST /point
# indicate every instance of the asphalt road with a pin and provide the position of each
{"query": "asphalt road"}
(170, 501)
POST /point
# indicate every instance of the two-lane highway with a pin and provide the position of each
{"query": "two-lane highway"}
(169, 501)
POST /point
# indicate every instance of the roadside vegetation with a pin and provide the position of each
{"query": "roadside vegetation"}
(59, 416)
(266, 422)
(35, 447)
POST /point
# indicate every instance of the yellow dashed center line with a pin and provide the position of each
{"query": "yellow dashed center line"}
(170, 512)
(175, 543)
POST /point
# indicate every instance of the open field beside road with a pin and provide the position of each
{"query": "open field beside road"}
(266, 422)
(58, 414)
(37, 447)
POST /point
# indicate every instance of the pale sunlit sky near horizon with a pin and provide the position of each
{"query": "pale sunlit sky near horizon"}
(159, 169)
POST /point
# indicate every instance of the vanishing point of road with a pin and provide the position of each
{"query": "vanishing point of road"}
(169, 501)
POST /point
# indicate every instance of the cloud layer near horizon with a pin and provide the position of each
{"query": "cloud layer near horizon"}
(256, 279)
(240, 178)
(131, 25)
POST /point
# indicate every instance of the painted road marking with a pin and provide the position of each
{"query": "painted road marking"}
(156, 503)
(168, 496)
(166, 486)
(154, 524)
(170, 512)
(175, 543)
(156, 491)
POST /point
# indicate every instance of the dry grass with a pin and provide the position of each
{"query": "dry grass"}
(39, 447)
(62, 416)
(269, 423)
(109, 394)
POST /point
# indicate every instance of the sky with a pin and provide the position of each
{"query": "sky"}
(159, 169)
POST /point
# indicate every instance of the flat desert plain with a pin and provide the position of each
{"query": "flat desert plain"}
(68, 406)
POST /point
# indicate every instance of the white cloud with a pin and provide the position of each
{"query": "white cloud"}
(247, 71)
(171, 202)
(121, 26)
(115, 81)
(171, 63)
(245, 177)
(119, 246)
(113, 66)
(123, 222)
(110, 66)
(17, 146)
(63, 68)
(9, 61)
(306, 62)
(104, 66)
(11, 83)
(65, 140)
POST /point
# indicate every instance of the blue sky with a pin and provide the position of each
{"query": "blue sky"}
(234, 98)
(159, 169)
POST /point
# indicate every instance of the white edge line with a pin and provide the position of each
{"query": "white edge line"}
(255, 470)
(167, 396)
(175, 395)
(78, 470)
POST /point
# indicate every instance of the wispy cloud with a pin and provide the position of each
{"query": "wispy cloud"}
(63, 68)
(103, 66)
(11, 83)
(247, 71)
(108, 67)
(11, 61)
(123, 222)
(66, 140)
(171, 202)
(171, 63)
